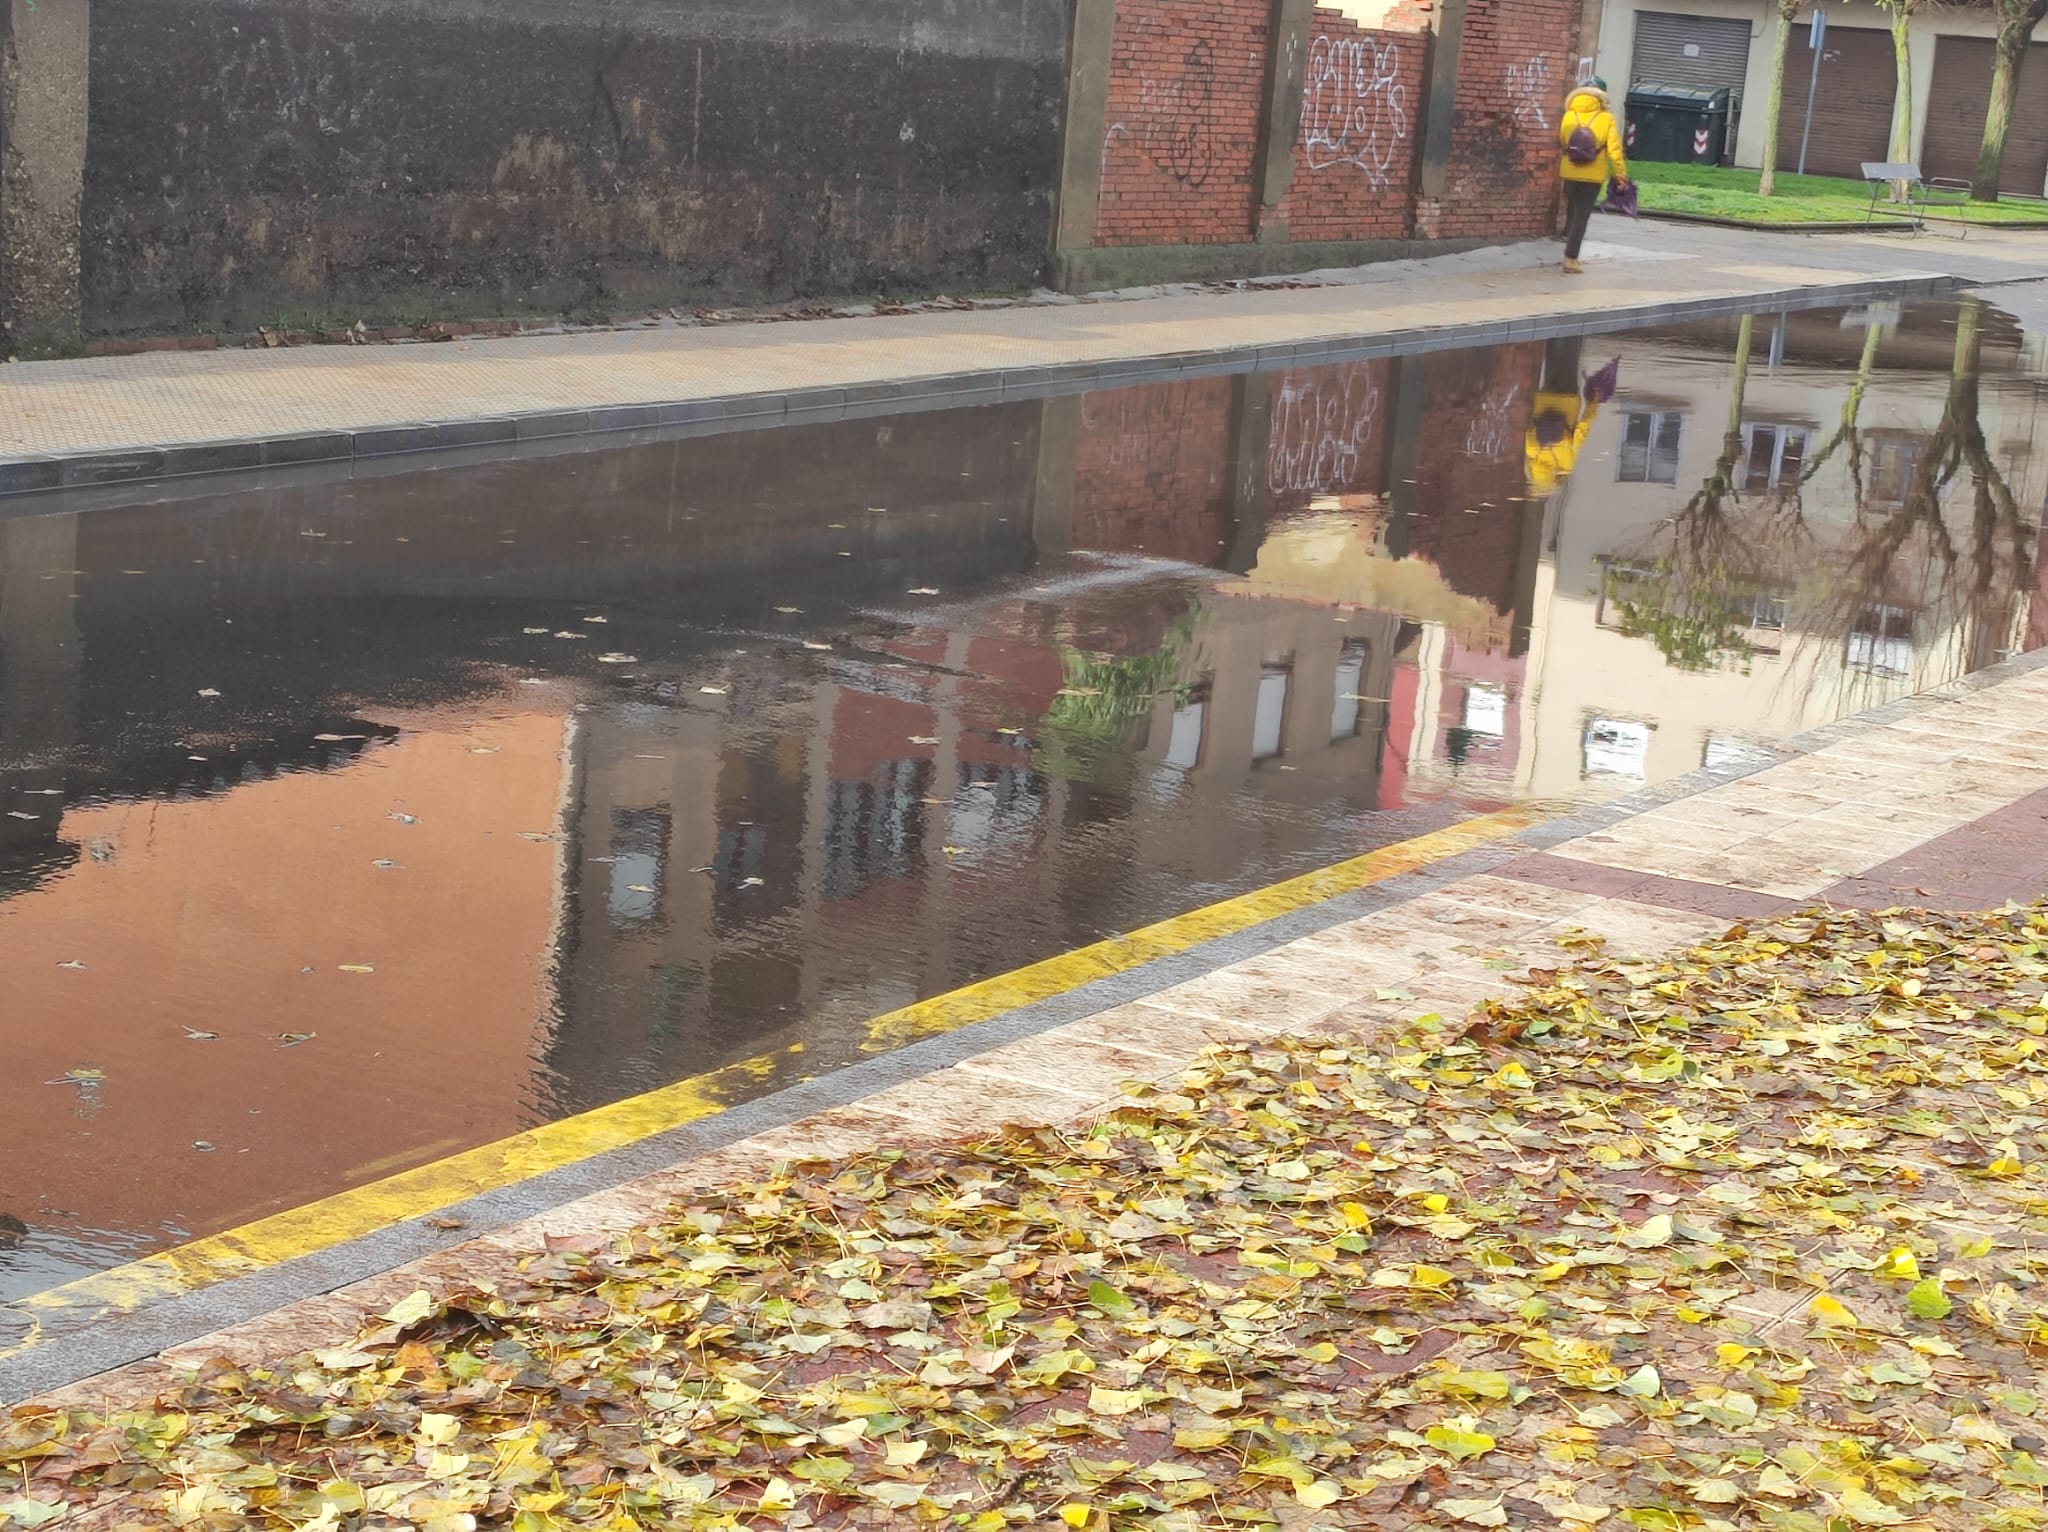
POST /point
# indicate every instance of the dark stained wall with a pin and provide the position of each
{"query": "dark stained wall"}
(251, 160)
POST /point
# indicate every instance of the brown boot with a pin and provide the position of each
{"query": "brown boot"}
(1572, 268)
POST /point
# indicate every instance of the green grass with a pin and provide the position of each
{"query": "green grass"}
(1716, 192)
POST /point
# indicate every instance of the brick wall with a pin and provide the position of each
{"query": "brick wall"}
(1354, 160)
(1186, 96)
(1514, 67)
(1152, 470)
(1471, 473)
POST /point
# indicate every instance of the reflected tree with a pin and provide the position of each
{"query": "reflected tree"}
(1732, 554)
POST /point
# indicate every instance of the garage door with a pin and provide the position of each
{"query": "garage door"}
(1852, 115)
(1955, 115)
(1712, 51)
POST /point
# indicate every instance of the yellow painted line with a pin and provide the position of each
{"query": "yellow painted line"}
(410, 1194)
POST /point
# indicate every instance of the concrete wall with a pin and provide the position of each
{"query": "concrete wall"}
(42, 165)
(1617, 47)
(252, 158)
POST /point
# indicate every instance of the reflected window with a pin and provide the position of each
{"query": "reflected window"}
(1881, 643)
(1344, 713)
(639, 859)
(1894, 460)
(1184, 744)
(874, 829)
(1772, 455)
(1616, 747)
(1486, 710)
(1722, 750)
(1270, 715)
(1649, 447)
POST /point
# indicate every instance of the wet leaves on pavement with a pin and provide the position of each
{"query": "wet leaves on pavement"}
(1750, 1237)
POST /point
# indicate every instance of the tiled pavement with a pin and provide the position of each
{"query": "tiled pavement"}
(116, 420)
(1942, 802)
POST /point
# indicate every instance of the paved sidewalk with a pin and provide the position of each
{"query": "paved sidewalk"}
(120, 419)
(1940, 801)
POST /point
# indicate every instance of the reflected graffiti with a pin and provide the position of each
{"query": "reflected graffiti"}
(1320, 424)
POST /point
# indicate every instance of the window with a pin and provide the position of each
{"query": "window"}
(1894, 460)
(1881, 643)
(1772, 455)
(1271, 714)
(1184, 745)
(1486, 709)
(1649, 447)
(639, 858)
(1615, 747)
(1344, 712)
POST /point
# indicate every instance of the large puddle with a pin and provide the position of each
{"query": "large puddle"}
(345, 827)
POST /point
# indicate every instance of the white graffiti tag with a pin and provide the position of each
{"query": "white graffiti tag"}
(1354, 106)
(1492, 431)
(1528, 87)
(1321, 422)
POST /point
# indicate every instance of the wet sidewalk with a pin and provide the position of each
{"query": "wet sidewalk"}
(1939, 801)
(113, 420)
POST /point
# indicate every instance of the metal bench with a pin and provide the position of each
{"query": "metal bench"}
(1922, 195)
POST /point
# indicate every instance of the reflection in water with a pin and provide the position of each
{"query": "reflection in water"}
(344, 827)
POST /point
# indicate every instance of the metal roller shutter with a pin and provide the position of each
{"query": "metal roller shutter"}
(1955, 116)
(1712, 51)
(1852, 116)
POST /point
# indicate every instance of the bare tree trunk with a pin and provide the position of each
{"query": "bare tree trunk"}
(2015, 28)
(1781, 44)
(1902, 100)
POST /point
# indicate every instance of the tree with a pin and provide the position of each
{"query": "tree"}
(1781, 45)
(2016, 22)
(1901, 13)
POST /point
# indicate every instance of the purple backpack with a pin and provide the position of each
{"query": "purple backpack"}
(1582, 148)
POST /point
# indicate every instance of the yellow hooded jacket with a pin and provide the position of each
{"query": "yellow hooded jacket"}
(1588, 109)
(1550, 463)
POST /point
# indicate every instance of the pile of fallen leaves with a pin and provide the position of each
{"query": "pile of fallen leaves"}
(1749, 1237)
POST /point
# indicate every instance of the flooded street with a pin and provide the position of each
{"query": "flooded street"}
(350, 825)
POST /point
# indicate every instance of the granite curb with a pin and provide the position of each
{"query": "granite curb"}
(369, 448)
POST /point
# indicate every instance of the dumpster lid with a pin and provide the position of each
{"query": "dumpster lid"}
(1652, 93)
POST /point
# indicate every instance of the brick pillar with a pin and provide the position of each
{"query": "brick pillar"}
(1447, 28)
(44, 49)
(1287, 69)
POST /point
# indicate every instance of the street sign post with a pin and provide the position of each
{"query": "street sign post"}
(1817, 41)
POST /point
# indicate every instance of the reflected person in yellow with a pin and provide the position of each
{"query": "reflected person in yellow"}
(1563, 414)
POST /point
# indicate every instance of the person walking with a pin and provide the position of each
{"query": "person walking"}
(1590, 137)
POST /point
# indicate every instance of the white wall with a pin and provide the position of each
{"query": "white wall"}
(1617, 47)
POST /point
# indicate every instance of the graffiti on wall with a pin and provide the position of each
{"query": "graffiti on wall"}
(1321, 422)
(1528, 90)
(1180, 115)
(1354, 106)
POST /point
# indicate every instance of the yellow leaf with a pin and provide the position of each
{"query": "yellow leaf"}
(438, 1430)
(1355, 1216)
(1866, 1510)
(1458, 1442)
(1437, 1202)
(1652, 1232)
(1318, 1494)
(1731, 1355)
(1433, 1276)
(906, 1454)
(1117, 1401)
(1075, 1515)
(1833, 1313)
(1976, 1249)
(1900, 1265)
(409, 1310)
(780, 1495)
